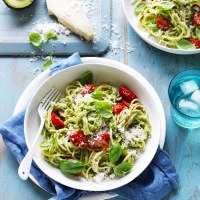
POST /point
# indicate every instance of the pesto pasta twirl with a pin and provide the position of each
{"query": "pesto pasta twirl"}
(173, 23)
(95, 131)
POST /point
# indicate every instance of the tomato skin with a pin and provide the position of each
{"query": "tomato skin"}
(57, 121)
(87, 89)
(98, 145)
(163, 23)
(126, 93)
(196, 18)
(127, 104)
(78, 139)
(195, 41)
(118, 107)
(105, 136)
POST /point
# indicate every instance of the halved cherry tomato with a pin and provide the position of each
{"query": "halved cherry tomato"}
(87, 89)
(196, 18)
(126, 93)
(127, 104)
(78, 139)
(163, 23)
(118, 107)
(195, 41)
(56, 120)
(105, 136)
(98, 145)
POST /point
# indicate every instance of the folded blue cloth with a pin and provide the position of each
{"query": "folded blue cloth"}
(158, 179)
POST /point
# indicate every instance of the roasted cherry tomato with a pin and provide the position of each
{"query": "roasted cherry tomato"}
(78, 139)
(163, 23)
(98, 144)
(105, 136)
(195, 41)
(126, 94)
(127, 104)
(118, 107)
(56, 120)
(196, 18)
(87, 89)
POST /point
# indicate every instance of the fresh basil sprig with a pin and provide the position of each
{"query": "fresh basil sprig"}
(72, 166)
(115, 153)
(165, 5)
(50, 35)
(140, 8)
(197, 31)
(97, 94)
(185, 44)
(86, 78)
(123, 168)
(35, 39)
(104, 108)
(47, 63)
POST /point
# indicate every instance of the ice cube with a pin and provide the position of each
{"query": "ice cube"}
(185, 104)
(189, 87)
(196, 96)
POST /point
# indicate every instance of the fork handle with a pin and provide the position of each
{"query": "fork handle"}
(25, 166)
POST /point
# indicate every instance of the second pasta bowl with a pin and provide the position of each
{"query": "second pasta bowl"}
(103, 133)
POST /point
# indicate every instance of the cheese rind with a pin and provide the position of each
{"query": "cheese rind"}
(71, 14)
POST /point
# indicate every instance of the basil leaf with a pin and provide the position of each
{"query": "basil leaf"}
(97, 94)
(35, 39)
(104, 108)
(123, 168)
(47, 143)
(140, 8)
(50, 35)
(72, 166)
(185, 44)
(115, 153)
(47, 64)
(151, 24)
(197, 31)
(165, 5)
(86, 78)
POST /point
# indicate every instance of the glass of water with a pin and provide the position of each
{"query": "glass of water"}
(184, 95)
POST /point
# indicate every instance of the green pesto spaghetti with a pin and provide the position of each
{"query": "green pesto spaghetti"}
(173, 23)
(95, 131)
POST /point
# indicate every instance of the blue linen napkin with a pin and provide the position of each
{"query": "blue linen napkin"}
(158, 179)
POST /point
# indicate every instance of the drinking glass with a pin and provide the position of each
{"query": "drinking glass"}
(184, 95)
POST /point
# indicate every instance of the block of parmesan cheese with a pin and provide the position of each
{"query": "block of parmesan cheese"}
(71, 14)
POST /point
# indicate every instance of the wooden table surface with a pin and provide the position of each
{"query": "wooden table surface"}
(156, 66)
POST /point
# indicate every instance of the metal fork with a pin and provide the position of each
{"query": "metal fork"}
(52, 96)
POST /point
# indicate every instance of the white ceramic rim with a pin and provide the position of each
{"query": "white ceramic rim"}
(27, 94)
(145, 37)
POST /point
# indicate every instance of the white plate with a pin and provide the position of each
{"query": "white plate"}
(33, 86)
(132, 18)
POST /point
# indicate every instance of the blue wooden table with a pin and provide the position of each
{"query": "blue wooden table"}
(156, 66)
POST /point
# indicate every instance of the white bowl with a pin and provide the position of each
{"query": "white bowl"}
(132, 18)
(102, 73)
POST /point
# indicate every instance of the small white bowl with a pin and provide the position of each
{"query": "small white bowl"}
(119, 75)
(132, 18)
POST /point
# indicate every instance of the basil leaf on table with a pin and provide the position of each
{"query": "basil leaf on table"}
(35, 39)
(72, 166)
(197, 31)
(47, 63)
(97, 94)
(50, 35)
(185, 44)
(165, 5)
(140, 8)
(123, 168)
(115, 153)
(86, 78)
(104, 108)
